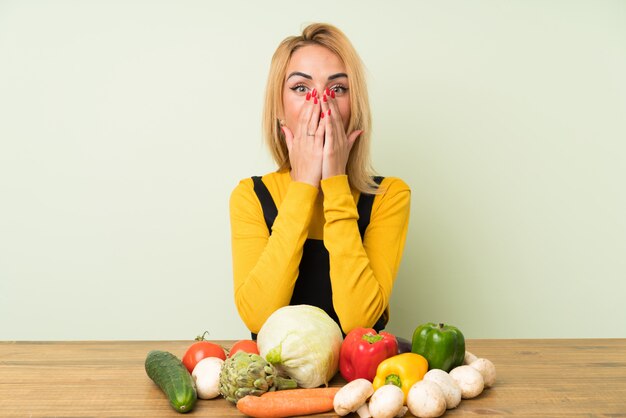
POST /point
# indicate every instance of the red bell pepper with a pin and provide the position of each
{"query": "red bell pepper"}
(363, 350)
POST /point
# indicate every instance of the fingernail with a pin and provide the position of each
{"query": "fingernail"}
(328, 112)
(314, 92)
(325, 98)
(308, 96)
(327, 91)
(315, 100)
(322, 115)
(332, 94)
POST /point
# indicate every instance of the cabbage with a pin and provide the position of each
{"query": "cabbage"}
(302, 342)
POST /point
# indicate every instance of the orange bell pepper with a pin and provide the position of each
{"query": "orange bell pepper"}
(403, 370)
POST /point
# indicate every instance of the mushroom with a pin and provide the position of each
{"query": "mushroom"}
(451, 390)
(487, 369)
(386, 402)
(353, 398)
(426, 400)
(206, 374)
(469, 358)
(469, 380)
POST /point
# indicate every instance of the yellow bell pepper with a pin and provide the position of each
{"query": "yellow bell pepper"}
(402, 370)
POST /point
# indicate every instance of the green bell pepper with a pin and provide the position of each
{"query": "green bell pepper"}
(442, 345)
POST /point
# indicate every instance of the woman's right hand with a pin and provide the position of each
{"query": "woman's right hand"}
(306, 142)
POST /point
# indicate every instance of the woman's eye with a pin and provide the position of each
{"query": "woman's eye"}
(338, 89)
(299, 88)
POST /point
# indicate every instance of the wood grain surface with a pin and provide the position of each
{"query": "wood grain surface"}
(541, 378)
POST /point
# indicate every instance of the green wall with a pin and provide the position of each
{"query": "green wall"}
(125, 126)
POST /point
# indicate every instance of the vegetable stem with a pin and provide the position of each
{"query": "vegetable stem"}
(282, 383)
(371, 338)
(393, 379)
(201, 337)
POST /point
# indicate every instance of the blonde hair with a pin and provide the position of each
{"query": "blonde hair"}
(358, 169)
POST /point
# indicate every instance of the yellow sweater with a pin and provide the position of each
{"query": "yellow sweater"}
(362, 273)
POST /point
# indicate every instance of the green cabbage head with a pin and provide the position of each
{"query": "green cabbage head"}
(302, 342)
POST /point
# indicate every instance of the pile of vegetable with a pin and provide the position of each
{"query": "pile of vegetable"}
(197, 375)
(433, 377)
(300, 348)
(297, 349)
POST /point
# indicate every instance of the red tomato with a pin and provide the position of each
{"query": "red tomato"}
(200, 350)
(247, 346)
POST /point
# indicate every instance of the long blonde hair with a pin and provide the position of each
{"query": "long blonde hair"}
(358, 169)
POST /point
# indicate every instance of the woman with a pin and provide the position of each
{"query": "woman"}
(319, 230)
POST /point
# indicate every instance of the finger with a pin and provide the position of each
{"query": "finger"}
(336, 114)
(327, 110)
(321, 130)
(315, 118)
(325, 120)
(353, 137)
(328, 128)
(288, 137)
(333, 112)
(305, 115)
(324, 103)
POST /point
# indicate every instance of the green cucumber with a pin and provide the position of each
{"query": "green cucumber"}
(169, 373)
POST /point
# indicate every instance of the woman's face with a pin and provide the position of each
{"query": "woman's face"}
(314, 67)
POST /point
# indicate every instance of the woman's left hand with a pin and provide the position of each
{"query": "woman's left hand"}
(337, 145)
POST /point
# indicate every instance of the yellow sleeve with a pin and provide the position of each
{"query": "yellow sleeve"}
(362, 273)
(265, 267)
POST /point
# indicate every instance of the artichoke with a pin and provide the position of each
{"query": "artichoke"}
(249, 374)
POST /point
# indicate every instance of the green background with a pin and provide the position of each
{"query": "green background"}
(125, 126)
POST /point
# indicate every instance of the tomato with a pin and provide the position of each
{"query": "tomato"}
(247, 346)
(200, 350)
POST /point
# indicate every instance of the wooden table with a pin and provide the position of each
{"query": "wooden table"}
(544, 378)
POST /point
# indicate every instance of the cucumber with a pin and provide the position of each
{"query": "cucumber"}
(169, 373)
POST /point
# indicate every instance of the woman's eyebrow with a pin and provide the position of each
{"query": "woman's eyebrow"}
(332, 77)
(338, 75)
(300, 74)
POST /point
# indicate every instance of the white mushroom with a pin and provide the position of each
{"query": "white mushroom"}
(386, 402)
(451, 390)
(206, 374)
(426, 400)
(402, 412)
(469, 358)
(487, 369)
(469, 380)
(353, 398)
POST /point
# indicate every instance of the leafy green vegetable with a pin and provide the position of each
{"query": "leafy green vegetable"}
(302, 342)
